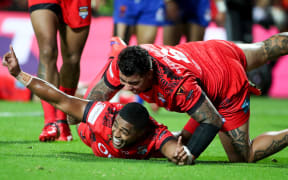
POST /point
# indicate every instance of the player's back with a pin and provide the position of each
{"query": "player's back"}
(221, 64)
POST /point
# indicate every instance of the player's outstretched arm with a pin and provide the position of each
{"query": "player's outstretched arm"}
(177, 153)
(68, 104)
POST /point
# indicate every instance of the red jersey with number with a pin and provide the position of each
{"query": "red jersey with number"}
(97, 133)
(184, 73)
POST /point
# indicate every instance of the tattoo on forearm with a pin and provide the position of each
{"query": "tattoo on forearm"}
(207, 114)
(240, 142)
(274, 147)
(276, 46)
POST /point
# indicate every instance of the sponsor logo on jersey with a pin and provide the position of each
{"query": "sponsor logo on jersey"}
(83, 12)
(102, 148)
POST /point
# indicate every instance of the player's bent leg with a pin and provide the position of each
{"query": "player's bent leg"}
(236, 143)
(260, 53)
(231, 152)
(267, 144)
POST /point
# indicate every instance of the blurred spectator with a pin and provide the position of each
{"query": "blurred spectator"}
(5, 4)
(13, 5)
(189, 19)
(279, 12)
(239, 20)
(139, 17)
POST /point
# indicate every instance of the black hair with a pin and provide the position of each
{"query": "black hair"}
(134, 60)
(136, 114)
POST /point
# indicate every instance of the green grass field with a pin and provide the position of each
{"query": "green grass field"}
(22, 156)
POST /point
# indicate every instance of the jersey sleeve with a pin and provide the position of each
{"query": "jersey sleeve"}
(163, 135)
(189, 96)
(94, 114)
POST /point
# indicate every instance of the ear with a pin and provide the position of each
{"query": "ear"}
(150, 74)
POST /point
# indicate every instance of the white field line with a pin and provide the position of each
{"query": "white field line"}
(17, 114)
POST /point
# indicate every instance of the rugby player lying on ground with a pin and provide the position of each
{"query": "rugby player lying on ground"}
(110, 129)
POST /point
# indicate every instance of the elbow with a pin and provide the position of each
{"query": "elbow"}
(216, 121)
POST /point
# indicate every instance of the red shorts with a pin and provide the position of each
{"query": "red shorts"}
(85, 133)
(234, 107)
(75, 13)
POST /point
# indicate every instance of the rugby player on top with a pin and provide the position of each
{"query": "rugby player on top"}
(207, 80)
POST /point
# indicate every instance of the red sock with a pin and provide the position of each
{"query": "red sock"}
(49, 112)
(70, 91)
(191, 125)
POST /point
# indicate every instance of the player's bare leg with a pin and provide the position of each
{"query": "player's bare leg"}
(123, 31)
(46, 34)
(260, 53)
(72, 44)
(239, 148)
(172, 34)
(146, 34)
(195, 32)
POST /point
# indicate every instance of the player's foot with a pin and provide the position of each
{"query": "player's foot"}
(50, 132)
(65, 133)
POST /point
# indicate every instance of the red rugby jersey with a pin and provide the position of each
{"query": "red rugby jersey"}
(100, 116)
(184, 72)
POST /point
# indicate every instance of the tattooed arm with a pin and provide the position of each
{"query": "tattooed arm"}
(260, 53)
(210, 123)
(101, 92)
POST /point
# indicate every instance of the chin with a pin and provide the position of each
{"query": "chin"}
(118, 147)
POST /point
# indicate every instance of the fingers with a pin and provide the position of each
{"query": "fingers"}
(182, 156)
(178, 147)
(179, 143)
(12, 52)
(5, 58)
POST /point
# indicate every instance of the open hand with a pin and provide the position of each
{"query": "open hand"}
(182, 155)
(11, 62)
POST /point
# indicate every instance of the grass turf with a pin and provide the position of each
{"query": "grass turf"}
(22, 156)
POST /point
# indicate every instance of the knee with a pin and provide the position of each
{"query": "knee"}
(72, 59)
(48, 54)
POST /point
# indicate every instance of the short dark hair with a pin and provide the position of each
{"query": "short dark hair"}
(136, 114)
(134, 60)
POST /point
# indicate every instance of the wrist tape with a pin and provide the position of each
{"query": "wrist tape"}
(190, 157)
(24, 78)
